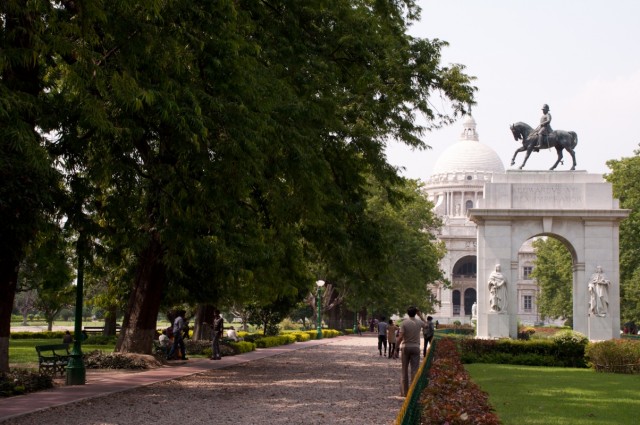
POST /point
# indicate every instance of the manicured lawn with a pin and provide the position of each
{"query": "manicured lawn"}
(22, 352)
(525, 395)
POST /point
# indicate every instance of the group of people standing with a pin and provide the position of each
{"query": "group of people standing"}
(406, 340)
(173, 337)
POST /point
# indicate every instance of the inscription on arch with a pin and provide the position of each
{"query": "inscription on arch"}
(546, 196)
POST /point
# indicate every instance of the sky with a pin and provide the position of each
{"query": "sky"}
(581, 57)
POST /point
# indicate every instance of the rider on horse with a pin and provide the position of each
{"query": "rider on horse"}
(544, 129)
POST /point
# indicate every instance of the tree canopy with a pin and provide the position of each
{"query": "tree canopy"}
(625, 178)
(224, 146)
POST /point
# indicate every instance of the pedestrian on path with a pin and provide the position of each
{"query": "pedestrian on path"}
(409, 342)
(178, 342)
(391, 338)
(217, 329)
(382, 336)
(428, 332)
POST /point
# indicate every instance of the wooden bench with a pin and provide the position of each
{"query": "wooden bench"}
(98, 329)
(53, 358)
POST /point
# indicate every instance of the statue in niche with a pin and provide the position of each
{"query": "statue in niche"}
(598, 288)
(497, 291)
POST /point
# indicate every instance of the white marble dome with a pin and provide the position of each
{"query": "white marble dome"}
(468, 154)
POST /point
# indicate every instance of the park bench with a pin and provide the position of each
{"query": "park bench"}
(53, 358)
(97, 329)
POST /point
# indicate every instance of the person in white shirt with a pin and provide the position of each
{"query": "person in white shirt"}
(232, 334)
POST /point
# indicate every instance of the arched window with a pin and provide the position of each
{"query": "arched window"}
(456, 302)
(469, 299)
(468, 205)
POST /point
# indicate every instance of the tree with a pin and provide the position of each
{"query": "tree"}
(25, 303)
(29, 181)
(220, 141)
(553, 272)
(47, 272)
(269, 315)
(624, 179)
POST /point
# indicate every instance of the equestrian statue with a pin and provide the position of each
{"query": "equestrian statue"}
(543, 137)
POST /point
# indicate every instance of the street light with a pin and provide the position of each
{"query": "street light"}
(76, 372)
(320, 284)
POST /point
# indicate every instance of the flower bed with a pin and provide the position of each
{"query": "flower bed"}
(451, 398)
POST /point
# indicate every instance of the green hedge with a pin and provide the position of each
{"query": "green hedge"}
(241, 347)
(567, 349)
(38, 335)
(274, 341)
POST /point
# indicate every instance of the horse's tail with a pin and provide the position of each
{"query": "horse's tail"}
(574, 141)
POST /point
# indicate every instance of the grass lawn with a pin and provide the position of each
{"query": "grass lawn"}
(22, 352)
(526, 395)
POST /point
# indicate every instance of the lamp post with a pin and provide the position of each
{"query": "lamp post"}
(76, 371)
(319, 284)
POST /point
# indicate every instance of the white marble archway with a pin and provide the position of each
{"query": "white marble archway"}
(576, 207)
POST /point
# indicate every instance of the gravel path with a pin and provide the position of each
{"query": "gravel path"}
(344, 381)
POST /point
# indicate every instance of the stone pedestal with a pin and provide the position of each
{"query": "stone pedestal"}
(600, 328)
(497, 325)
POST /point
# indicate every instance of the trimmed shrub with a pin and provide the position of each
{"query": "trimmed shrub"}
(273, 341)
(38, 335)
(101, 340)
(242, 347)
(616, 356)
(566, 350)
(570, 346)
(301, 336)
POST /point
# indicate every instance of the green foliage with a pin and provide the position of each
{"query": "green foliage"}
(553, 272)
(570, 346)
(18, 381)
(618, 356)
(566, 350)
(274, 341)
(203, 156)
(241, 347)
(625, 178)
(300, 336)
(100, 340)
(38, 335)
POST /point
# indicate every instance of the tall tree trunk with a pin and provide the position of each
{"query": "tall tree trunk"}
(110, 321)
(203, 321)
(8, 278)
(140, 321)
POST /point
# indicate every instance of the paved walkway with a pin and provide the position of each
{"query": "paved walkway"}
(101, 384)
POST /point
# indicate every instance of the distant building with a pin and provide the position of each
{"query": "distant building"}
(455, 186)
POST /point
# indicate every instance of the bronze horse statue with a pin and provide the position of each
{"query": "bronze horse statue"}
(558, 139)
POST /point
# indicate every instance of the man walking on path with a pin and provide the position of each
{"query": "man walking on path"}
(382, 336)
(409, 343)
(428, 334)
